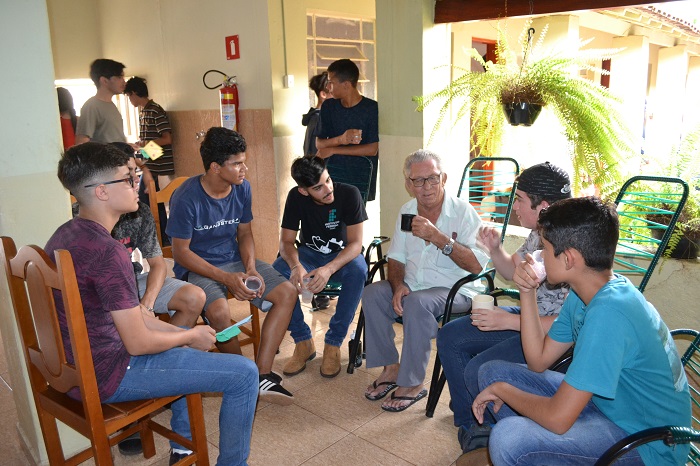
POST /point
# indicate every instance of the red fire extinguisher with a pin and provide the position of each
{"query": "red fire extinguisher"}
(228, 98)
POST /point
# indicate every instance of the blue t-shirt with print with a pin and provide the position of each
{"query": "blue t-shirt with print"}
(625, 356)
(210, 224)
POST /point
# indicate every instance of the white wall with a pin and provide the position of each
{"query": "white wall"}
(32, 201)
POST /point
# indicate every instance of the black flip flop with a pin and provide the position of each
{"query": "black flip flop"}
(389, 387)
(412, 400)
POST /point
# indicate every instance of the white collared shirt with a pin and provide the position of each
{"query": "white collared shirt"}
(426, 265)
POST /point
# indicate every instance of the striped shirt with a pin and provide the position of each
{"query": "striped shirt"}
(153, 122)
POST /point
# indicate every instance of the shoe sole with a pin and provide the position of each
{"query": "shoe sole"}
(290, 374)
(276, 398)
(330, 376)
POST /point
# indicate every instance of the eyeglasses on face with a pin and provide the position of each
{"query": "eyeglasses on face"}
(432, 180)
(130, 180)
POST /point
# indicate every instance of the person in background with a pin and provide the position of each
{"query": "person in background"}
(153, 126)
(318, 84)
(69, 120)
(349, 121)
(100, 120)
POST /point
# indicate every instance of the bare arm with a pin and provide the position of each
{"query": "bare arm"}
(290, 254)
(358, 149)
(81, 138)
(140, 338)
(155, 280)
(184, 256)
(498, 319)
(540, 350)
(503, 262)
(556, 414)
(397, 274)
(321, 275)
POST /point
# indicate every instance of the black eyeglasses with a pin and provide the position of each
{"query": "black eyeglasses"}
(432, 180)
(130, 180)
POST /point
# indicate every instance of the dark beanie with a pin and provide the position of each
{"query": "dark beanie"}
(545, 180)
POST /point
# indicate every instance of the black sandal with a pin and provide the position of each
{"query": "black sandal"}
(389, 387)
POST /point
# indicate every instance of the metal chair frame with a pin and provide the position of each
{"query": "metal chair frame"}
(635, 205)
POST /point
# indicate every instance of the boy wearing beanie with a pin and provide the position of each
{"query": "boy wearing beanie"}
(466, 343)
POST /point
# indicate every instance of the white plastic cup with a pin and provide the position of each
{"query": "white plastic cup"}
(306, 295)
(538, 266)
(482, 301)
(253, 283)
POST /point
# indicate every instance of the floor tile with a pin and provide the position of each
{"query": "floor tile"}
(414, 437)
(356, 451)
(340, 400)
(290, 436)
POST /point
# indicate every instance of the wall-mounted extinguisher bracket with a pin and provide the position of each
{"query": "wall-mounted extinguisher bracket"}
(228, 99)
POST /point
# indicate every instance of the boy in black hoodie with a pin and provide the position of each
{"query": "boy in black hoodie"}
(311, 120)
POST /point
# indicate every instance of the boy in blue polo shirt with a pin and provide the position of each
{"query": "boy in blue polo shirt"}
(625, 376)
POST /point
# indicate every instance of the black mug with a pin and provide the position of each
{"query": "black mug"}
(406, 220)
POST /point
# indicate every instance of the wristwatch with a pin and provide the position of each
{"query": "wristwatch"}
(447, 249)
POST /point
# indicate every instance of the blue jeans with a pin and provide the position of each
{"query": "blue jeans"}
(181, 371)
(463, 348)
(518, 440)
(352, 275)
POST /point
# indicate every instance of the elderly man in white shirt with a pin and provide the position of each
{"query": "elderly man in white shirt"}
(424, 263)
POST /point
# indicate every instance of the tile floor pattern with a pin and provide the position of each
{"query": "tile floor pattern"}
(330, 422)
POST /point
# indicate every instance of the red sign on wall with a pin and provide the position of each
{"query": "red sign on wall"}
(232, 50)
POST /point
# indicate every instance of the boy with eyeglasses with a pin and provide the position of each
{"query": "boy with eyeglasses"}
(424, 263)
(129, 345)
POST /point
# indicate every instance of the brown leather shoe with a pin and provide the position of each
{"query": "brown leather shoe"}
(303, 352)
(330, 367)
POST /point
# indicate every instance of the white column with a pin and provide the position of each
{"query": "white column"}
(628, 80)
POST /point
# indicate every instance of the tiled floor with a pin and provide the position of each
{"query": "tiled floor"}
(330, 422)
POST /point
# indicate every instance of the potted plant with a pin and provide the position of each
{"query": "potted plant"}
(587, 111)
(684, 163)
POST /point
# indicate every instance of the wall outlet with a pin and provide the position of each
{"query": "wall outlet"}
(288, 81)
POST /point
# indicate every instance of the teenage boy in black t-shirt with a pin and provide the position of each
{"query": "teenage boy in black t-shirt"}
(330, 244)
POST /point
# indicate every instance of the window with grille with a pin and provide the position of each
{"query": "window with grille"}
(330, 38)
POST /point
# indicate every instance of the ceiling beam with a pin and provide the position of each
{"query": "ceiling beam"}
(454, 11)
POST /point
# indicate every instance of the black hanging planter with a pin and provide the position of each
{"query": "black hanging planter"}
(521, 113)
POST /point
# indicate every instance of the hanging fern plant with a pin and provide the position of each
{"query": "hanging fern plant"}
(588, 112)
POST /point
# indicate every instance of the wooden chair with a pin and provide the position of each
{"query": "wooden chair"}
(32, 279)
(161, 197)
(252, 331)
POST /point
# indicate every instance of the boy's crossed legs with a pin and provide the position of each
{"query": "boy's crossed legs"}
(519, 440)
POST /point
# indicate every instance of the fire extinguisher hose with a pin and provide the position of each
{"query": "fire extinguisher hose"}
(228, 80)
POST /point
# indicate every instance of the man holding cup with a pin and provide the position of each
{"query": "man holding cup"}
(425, 260)
(330, 244)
